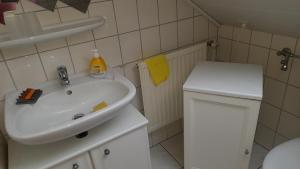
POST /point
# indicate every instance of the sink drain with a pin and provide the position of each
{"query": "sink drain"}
(69, 92)
(83, 134)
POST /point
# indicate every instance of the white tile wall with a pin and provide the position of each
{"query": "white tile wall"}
(52, 59)
(169, 36)
(279, 118)
(185, 32)
(150, 41)
(167, 11)
(148, 13)
(26, 71)
(134, 29)
(131, 46)
(127, 15)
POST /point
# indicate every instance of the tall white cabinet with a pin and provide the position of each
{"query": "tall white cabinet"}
(221, 107)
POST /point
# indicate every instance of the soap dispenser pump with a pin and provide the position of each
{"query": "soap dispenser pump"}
(98, 66)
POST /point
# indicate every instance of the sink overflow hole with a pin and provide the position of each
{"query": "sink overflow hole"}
(77, 116)
(69, 92)
(83, 134)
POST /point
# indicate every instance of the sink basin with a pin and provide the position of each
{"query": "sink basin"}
(52, 117)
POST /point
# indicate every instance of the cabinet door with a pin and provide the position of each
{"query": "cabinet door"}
(79, 162)
(130, 151)
(218, 131)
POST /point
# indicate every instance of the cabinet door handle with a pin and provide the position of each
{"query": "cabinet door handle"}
(75, 166)
(247, 152)
(106, 152)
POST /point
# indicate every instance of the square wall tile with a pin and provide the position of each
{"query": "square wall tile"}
(106, 10)
(259, 56)
(48, 17)
(224, 50)
(6, 83)
(291, 102)
(126, 13)
(226, 31)
(273, 92)
(80, 38)
(168, 35)
(131, 46)
(150, 41)
(264, 136)
(200, 29)
(167, 11)
(241, 34)
(269, 116)
(261, 39)
(239, 53)
(185, 10)
(185, 32)
(51, 44)
(71, 14)
(10, 53)
(54, 58)
(27, 71)
(295, 71)
(148, 13)
(274, 67)
(110, 50)
(119, 70)
(132, 73)
(289, 126)
(279, 42)
(212, 30)
(81, 56)
(279, 139)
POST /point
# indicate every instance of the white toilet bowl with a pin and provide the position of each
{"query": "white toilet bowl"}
(284, 156)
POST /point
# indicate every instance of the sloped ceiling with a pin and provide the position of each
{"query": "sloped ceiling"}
(275, 16)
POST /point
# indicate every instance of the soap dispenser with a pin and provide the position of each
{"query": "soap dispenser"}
(98, 67)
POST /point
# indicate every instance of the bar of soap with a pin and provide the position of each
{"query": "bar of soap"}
(100, 106)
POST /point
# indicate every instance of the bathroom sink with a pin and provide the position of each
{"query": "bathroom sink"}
(53, 117)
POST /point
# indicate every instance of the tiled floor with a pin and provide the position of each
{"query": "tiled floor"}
(169, 154)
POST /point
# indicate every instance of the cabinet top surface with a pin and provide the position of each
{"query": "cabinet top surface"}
(47, 155)
(227, 79)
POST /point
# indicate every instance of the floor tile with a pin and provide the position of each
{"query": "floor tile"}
(161, 159)
(174, 146)
(258, 155)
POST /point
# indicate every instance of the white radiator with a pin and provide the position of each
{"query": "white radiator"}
(163, 104)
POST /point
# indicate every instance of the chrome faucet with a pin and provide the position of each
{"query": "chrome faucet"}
(63, 76)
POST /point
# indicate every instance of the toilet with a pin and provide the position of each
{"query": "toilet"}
(284, 156)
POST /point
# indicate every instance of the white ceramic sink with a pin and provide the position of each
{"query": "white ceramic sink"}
(51, 118)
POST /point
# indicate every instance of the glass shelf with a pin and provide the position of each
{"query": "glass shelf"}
(26, 30)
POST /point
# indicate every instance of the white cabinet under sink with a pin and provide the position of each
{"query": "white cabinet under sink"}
(121, 143)
(80, 162)
(127, 152)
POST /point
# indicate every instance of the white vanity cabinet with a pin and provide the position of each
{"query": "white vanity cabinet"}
(221, 107)
(79, 162)
(121, 143)
(127, 152)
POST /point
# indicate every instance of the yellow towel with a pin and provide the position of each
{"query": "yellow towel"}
(158, 68)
